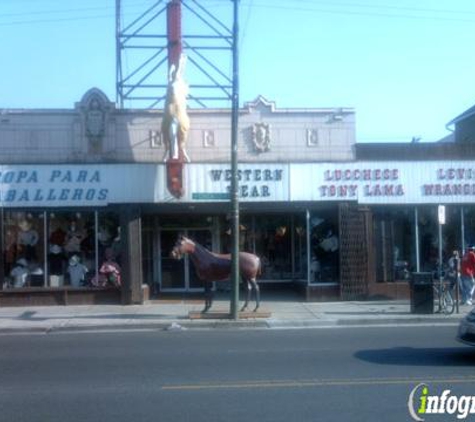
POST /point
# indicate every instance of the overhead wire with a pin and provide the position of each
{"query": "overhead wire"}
(378, 6)
(78, 14)
(334, 8)
(308, 6)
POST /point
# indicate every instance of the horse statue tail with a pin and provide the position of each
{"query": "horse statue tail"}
(259, 268)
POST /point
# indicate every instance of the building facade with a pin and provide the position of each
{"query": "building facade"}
(87, 216)
(86, 187)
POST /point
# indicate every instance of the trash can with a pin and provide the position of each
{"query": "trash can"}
(422, 293)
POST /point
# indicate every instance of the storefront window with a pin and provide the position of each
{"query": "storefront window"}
(272, 238)
(428, 238)
(71, 248)
(279, 241)
(61, 249)
(24, 249)
(469, 225)
(450, 233)
(109, 251)
(300, 247)
(325, 246)
(394, 244)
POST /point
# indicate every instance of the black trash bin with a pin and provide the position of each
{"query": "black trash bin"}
(422, 293)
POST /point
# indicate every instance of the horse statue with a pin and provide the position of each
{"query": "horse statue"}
(175, 121)
(211, 266)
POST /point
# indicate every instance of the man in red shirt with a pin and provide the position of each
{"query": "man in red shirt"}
(467, 274)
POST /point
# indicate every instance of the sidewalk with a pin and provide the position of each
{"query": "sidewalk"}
(169, 314)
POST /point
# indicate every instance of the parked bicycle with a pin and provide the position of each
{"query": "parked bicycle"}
(444, 293)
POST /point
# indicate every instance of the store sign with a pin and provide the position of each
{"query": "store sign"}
(422, 182)
(81, 185)
(47, 185)
(256, 182)
(385, 182)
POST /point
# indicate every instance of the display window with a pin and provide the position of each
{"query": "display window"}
(71, 248)
(324, 247)
(24, 247)
(57, 249)
(394, 243)
(278, 240)
(300, 246)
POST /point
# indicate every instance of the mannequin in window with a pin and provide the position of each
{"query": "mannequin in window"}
(77, 271)
(56, 262)
(73, 239)
(27, 239)
(109, 272)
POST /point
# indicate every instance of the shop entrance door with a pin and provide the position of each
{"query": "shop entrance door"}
(180, 276)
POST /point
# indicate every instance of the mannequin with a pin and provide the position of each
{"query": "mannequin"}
(27, 239)
(73, 239)
(56, 262)
(77, 271)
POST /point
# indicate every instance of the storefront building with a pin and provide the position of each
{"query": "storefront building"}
(86, 189)
(435, 214)
(88, 217)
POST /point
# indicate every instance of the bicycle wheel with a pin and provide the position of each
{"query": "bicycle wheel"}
(448, 302)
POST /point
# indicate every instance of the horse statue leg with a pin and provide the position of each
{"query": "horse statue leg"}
(208, 297)
(173, 134)
(258, 293)
(248, 295)
(182, 135)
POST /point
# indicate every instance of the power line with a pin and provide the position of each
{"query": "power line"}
(333, 8)
(73, 17)
(368, 13)
(372, 6)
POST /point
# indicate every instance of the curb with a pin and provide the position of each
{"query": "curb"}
(177, 325)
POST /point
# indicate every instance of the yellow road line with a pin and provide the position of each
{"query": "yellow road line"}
(264, 384)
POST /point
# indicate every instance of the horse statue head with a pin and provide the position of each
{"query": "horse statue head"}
(182, 246)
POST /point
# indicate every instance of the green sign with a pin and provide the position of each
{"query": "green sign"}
(210, 195)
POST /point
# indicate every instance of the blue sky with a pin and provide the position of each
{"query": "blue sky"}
(406, 66)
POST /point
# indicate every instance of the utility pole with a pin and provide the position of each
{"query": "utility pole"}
(234, 169)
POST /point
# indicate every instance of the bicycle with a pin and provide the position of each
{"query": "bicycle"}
(444, 296)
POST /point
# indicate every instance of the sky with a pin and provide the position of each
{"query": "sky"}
(405, 66)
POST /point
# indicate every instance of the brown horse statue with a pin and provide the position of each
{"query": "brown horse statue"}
(211, 266)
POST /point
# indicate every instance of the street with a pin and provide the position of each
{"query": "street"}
(337, 374)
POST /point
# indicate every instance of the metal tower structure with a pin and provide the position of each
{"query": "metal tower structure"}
(147, 43)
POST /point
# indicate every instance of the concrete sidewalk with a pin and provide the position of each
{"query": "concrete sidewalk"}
(173, 314)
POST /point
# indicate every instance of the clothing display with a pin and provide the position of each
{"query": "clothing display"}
(20, 273)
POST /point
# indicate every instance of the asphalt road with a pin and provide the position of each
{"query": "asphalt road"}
(338, 374)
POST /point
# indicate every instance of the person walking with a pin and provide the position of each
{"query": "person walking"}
(467, 273)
